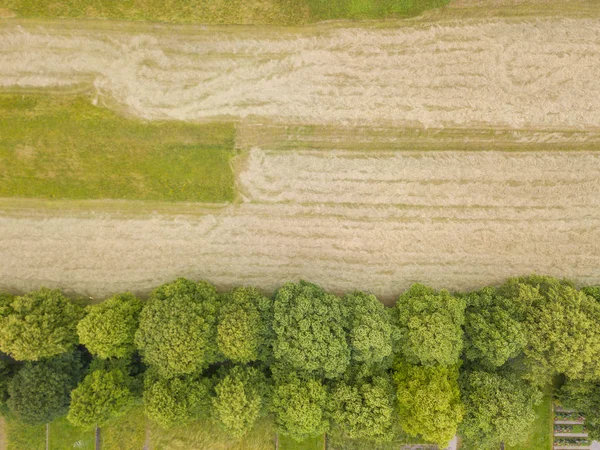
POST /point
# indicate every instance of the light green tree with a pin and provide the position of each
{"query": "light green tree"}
(40, 324)
(177, 328)
(244, 331)
(299, 405)
(101, 396)
(240, 400)
(429, 401)
(310, 329)
(175, 401)
(370, 327)
(499, 409)
(430, 325)
(108, 329)
(494, 328)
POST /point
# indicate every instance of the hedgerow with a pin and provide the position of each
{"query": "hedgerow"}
(431, 366)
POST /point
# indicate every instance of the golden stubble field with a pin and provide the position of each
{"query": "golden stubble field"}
(369, 218)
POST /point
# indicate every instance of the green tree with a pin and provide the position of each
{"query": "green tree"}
(40, 324)
(562, 328)
(175, 401)
(494, 328)
(429, 401)
(39, 392)
(240, 400)
(108, 329)
(430, 325)
(583, 397)
(244, 328)
(178, 326)
(309, 326)
(592, 291)
(370, 328)
(364, 409)
(101, 396)
(299, 406)
(499, 409)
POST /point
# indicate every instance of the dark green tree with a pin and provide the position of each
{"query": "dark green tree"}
(499, 409)
(429, 401)
(299, 405)
(108, 329)
(592, 291)
(40, 324)
(244, 330)
(309, 326)
(40, 391)
(370, 327)
(177, 328)
(241, 397)
(175, 401)
(101, 396)
(494, 328)
(364, 409)
(430, 325)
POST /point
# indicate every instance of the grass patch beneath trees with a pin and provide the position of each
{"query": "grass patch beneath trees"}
(62, 147)
(279, 12)
(541, 432)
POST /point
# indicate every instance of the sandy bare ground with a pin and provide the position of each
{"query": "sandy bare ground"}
(346, 220)
(536, 74)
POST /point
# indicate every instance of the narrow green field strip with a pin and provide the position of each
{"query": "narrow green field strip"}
(281, 12)
(315, 443)
(62, 147)
(331, 137)
(64, 436)
(542, 430)
(25, 437)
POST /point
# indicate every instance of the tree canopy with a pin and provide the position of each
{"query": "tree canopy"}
(584, 397)
(40, 324)
(175, 401)
(101, 396)
(108, 329)
(244, 328)
(370, 327)
(429, 401)
(364, 409)
(309, 326)
(39, 392)
(430, 325)
(300, 406)
(499, 409)
(494, 328)
(241, 397)
(177, 328)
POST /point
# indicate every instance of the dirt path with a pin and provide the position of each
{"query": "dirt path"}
(344, 220)
(538, 74)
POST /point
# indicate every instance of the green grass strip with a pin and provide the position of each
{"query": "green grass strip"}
(63, 147)
(540, 437)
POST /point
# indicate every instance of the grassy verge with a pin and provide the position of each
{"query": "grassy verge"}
(280, 12)
(54, 146)
(540, 437)
(64, 436)
(25, 437)
(287, 443)
(206, 435)
(125, 433)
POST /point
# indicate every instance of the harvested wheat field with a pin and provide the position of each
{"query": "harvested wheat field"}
(469, 73)
(342, 219)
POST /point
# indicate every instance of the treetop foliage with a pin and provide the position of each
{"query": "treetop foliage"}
(108, 328)
(244, 331)
(310, 330)
(40, 324)
(430, 325)
(177, 328)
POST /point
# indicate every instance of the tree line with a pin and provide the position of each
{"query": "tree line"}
(435, 364)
